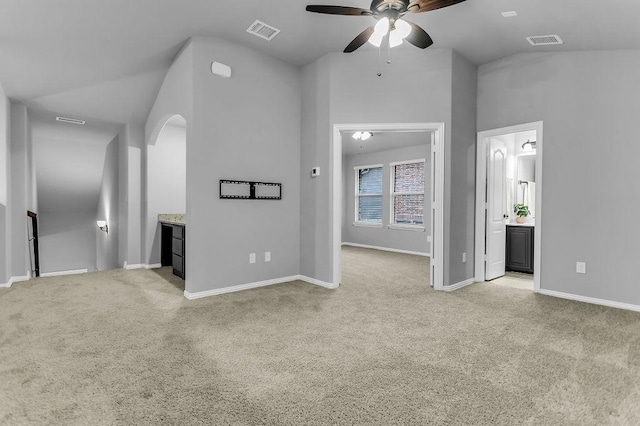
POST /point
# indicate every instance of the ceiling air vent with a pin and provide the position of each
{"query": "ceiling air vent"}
(70, 120)
(544, 40)
(263, 30)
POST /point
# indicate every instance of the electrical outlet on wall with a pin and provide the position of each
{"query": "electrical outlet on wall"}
(252, 258)
(464, 257)
(581, 268)
(267, 256)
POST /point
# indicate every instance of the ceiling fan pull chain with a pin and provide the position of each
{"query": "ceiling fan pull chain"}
(380, 61)
(389, 48)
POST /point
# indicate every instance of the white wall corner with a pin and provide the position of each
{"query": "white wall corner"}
(153, 266)
(13, 280)
(415, 253)
(61, 273)
(248, 286)
(459, 285)
(136, 266)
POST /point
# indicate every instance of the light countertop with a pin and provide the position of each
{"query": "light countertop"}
(173, 218)
(529, 224)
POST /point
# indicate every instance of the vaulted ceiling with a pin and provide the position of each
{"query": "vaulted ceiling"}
(105, 60)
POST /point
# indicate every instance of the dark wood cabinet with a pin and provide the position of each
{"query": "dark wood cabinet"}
(173, 248)
(519, 256)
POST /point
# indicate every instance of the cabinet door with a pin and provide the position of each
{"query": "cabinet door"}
(520, 249)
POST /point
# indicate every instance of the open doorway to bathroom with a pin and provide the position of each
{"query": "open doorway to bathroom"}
(508, 207)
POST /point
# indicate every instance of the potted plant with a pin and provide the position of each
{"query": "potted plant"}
(522, 211)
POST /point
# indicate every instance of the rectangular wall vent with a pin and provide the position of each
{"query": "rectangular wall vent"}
(263, 30)
(70, 120)
(544, 40)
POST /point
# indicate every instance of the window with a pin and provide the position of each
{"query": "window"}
(407, 193)
(369, 195)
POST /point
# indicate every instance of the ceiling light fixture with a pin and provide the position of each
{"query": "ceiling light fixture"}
(398, 30)
(70, 120)
(362, 136)
(102, 224)
(529, 145)
(510, 14)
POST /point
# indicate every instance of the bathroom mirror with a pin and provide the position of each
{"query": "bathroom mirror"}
(526, 182)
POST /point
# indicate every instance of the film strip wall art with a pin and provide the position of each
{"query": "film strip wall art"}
(248, 190)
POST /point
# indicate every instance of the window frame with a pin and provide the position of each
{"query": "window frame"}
(357, 195)
(392, 212)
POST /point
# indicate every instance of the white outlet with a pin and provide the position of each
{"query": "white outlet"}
(429, 239)
(581, 268)
(252, 258)
(267, 256)
(464, 257)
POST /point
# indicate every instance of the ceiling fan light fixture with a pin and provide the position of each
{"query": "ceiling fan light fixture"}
(402, 28)
(379, 31)
(362, 136)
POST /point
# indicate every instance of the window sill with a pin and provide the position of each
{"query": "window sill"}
(367, 225)
(414, 228)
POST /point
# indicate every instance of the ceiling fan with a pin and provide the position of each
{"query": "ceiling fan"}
(388, 13)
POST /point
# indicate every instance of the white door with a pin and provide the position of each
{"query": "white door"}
(497, 212)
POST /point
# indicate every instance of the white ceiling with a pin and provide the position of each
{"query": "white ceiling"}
(105, 60)
(383, 141)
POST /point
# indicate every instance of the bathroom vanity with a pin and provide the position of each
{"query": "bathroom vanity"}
(172, 242)
(519, 256)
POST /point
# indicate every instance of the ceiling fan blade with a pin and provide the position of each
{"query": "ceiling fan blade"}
(361, 39)
(419, 6)
(338, 10)
(418, 37)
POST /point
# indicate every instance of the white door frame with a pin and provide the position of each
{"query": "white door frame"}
(481, 194)
(437, 193)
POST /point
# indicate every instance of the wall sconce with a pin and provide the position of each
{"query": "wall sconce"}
(529, 146)
(102, 224)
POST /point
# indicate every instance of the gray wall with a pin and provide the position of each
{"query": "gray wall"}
(5, 247)
(175, 97)
(460, 180)
(107, 242)
(67, 241)
(245, 127)
(166, 183)
(409, 240)
(589, 102)
(342, 88)
(130, 184)
(315, 150)
(19, 193)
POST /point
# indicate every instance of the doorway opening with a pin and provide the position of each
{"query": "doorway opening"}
(434, 133)
(166, 187)
(509, 205)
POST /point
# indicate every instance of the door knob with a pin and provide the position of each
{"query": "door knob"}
(506, 216)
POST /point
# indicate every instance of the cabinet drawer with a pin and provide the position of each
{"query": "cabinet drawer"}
(178, 232)
(177, 246)
(178, 265)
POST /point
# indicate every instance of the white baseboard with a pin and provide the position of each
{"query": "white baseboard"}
(416, 253)
(241, 287)
(135, 266)
(591, 300)
(14, 280)
(317, 282)
(152, 266)
(459, 285)
(59, 273)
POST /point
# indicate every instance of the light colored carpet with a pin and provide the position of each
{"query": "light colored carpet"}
(124, 347)
(515, 280)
